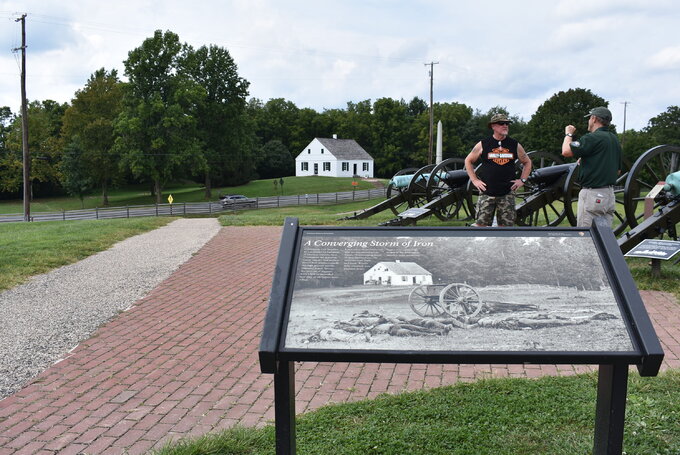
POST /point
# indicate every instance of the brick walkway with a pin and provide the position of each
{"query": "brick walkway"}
(183, 361)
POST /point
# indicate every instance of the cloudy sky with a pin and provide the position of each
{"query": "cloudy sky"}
(322, 53)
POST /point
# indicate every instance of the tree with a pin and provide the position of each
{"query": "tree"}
(455, 117)
(665, 127)
(355, 123)
(545, 130)
(392, 149)
(45, 145)
(222, 125)
(308, 125)
(275, 120)
(274, 161)
(11, 165)
(91, 117)
(157, 136)
(76, 176)
(635, 143)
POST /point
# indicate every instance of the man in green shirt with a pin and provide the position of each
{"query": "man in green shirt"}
(599, 154)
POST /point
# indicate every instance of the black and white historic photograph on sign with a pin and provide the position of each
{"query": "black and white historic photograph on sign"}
(429, 292)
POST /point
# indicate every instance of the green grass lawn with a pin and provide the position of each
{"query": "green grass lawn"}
(28, 249)
(191, 192)
(550, 415)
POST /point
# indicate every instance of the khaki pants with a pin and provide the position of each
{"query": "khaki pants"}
(594, 202)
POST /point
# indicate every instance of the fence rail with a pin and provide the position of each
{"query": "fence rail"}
(199, 208)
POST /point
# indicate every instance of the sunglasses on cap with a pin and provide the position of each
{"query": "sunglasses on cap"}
(503, 123)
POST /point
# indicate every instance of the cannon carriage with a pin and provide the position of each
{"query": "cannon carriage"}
(658, 164)
(459, 303)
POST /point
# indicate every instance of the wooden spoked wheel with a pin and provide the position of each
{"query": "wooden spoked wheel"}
(438, 186)
(424, 301)
(393, 190)
(649, 169)
(460, 300)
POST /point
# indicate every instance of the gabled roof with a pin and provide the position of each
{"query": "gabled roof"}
(344, 149)
(404, 268)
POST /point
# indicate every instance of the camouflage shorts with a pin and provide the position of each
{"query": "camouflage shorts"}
(502, 206)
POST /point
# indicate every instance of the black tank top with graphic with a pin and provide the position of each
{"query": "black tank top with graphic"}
(498, 165)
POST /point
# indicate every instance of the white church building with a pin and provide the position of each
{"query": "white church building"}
(397, 273)
(334, 158)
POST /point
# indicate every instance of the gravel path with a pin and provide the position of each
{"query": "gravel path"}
(44, 319)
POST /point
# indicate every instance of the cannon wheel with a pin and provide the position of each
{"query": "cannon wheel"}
(573, 186)
(423, 303)
(552, 214)
(416, 193)
(392, 190)
(437, 186)
(460, 300)
(651, 167)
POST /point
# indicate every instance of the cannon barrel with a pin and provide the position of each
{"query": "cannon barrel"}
(549, 175)
(455, 178)
(673, 184)
(403, 181)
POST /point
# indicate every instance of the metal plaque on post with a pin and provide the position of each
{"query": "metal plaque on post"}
(457, 295)
(655, 249)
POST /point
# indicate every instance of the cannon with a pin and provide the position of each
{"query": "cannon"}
(415, 188)
(456, 300)
(459, 303)
(395, 201)
(446, 195)
(542, 203)
(446, 192)
(661, 163)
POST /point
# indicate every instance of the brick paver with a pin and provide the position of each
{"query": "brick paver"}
(183, 361)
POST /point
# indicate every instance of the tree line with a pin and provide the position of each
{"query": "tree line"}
(184, 113)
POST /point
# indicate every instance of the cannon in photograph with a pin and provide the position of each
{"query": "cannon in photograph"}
(456, 302)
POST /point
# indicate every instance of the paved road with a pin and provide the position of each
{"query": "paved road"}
(183, 361)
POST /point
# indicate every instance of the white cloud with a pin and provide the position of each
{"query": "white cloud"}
(666, 59)
(324, 53)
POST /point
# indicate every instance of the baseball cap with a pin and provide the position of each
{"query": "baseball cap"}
(601, 112)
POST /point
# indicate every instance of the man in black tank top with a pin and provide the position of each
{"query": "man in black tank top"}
(498, 183)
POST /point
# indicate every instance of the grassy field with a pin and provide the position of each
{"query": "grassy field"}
(192, 192)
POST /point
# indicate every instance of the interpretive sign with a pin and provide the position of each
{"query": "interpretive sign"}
(413, 212)
(655, 249)
(457, 295)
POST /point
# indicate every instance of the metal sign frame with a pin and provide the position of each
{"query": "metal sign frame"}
(644, 350)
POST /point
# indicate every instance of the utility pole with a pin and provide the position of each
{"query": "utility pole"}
(623, 135)
(429, 148)
(24, 123)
